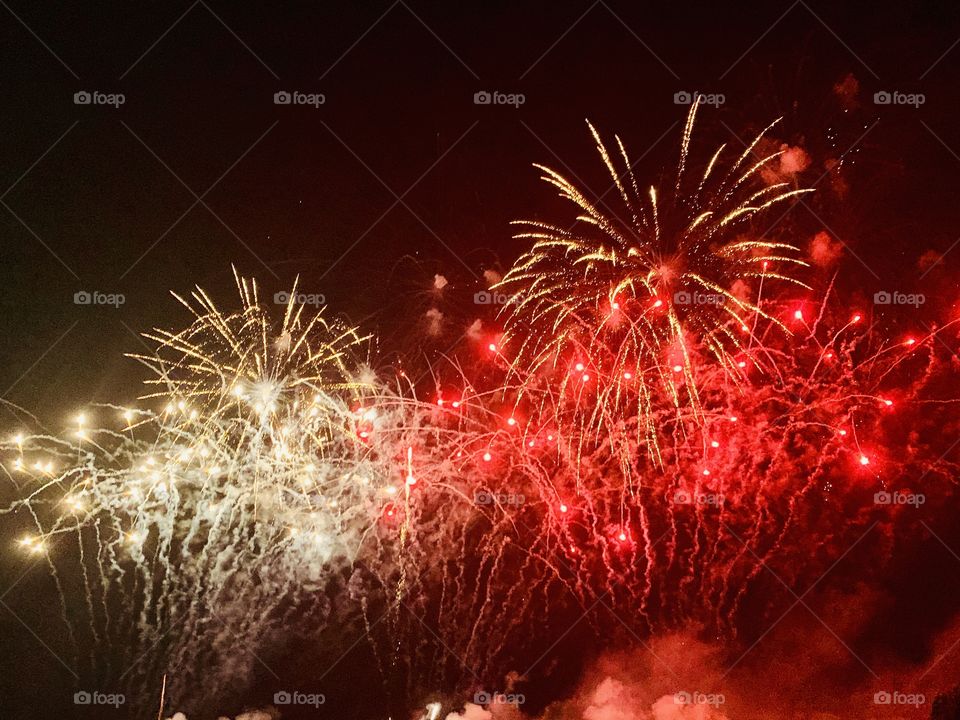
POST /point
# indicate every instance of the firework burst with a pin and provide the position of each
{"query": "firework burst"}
(214, 512)
(624, 305)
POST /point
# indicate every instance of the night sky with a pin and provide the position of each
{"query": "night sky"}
(399, 175)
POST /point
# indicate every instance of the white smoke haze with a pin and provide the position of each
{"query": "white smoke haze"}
(796, 672)
(804, 668)
(491, 277)
(265, 714)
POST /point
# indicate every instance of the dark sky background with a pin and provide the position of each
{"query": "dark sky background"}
(399, 175)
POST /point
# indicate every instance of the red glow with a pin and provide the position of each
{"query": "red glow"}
(855, 318)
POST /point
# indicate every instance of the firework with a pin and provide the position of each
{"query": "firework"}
(235, 487)
(625, 306)
(629, 455)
